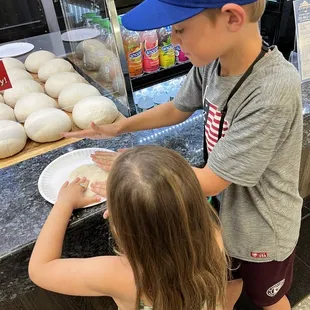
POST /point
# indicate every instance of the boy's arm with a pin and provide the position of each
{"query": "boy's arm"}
(210, 183)
(166, 114)
(161, 116)
(187, 101)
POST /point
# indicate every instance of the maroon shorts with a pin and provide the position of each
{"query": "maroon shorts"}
(265, 283)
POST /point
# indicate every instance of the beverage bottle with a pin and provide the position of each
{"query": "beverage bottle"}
(179, 55)
(166, 49)
(150, 54)
(132, 47)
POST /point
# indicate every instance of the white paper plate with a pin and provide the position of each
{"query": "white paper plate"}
(80, 35)
(15, 49)
(58, 171)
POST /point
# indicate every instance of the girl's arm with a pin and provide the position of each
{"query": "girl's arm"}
(88, 277)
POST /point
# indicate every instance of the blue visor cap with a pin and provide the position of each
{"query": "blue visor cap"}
(154, 14)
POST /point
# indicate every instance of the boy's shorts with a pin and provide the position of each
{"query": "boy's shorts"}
(265, 283)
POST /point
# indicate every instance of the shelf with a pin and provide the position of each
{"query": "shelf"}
(149, 79)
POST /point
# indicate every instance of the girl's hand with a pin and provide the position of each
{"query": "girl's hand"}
(72, 194)
(105, 160)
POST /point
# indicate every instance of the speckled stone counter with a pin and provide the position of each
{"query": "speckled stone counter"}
(23, 211)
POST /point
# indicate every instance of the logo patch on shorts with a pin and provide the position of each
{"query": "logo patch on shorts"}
(274, 290)
(259, 254)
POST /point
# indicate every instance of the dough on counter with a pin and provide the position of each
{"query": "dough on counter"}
(6, 113)
(10, 63)
(98, 109)
(37, 59)
(31, 103)
(47, 124)
(12, 138)
(53, 67)
(1, 98)
(89, 46)
(93, 173)
(73, 93)
(56, 83)
(20, 89)
(16, 74)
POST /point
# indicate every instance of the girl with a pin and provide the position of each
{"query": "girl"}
(170, 253)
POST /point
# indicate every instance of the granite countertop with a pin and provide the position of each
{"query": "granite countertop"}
(23, 211)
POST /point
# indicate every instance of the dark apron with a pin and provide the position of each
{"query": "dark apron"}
(214, 201)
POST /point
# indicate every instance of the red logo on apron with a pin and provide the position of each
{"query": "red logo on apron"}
(4, 78)
(212, 126)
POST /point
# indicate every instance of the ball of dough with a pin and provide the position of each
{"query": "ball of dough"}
(31, 103)
(108, 71)
(56, 83)
(6, 113)
(10, 63)
(73, 93)
(16, 74)
(37, 59)
(20, 89)
(118, 85)
(98, 109)
(47, 124)
(1, 98)
(91, 172)
(53, 67)
(88, 46)
(12, 138)
(93, 60)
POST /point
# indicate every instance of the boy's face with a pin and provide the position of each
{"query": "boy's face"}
(202, 39)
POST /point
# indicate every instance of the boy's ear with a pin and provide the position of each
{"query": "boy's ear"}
(235, 16)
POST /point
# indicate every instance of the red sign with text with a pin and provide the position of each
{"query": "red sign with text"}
(4, 78)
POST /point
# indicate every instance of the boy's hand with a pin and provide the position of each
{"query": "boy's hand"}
(100, 188)
(105, 160)
(94, 132)
(72, 194)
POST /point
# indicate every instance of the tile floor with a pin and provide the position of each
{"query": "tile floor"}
(299, 294)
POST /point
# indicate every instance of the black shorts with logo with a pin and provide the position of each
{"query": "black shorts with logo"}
(265, 283)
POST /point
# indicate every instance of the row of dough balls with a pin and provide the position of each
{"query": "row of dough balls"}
(47, 124)
(27, 96)
(57, 74)
(43, 121)
(71, 99)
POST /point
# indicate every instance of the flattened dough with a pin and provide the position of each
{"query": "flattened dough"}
(92, 172)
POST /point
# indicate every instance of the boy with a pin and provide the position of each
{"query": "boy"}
(253, 119)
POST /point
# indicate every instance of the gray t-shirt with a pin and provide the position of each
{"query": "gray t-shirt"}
(259, 152)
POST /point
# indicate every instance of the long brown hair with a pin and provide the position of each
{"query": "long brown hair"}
(164, 225)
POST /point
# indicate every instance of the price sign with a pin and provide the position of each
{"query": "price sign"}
(4, 78)
(302, 20)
